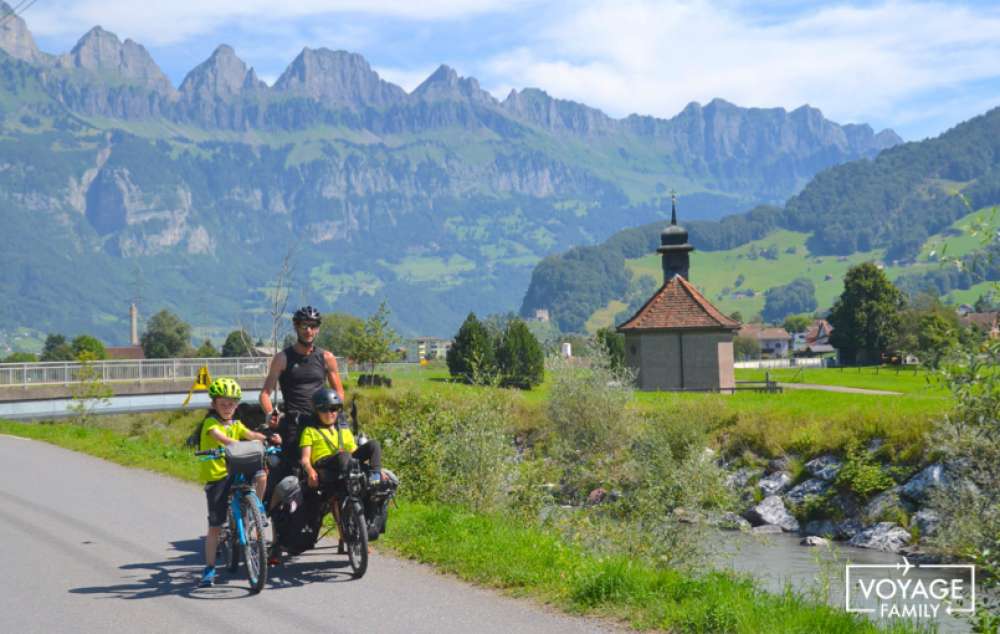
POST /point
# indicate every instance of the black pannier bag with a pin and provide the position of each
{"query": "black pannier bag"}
(297, 516)
(245, 457)
(377, 504)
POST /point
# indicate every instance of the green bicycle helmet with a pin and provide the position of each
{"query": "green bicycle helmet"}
(225, 387)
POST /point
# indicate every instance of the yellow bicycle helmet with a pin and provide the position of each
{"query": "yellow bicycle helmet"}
(225, 387)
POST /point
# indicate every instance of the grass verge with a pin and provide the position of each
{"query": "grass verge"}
(496, 551)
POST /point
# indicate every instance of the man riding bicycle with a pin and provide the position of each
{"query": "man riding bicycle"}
(300, 370)
(217, 430)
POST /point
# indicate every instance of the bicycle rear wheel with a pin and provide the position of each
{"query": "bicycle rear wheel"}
(356, 538)
(255, 549)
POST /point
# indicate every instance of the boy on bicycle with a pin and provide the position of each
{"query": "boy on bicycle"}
(217, 430)
(328, 447)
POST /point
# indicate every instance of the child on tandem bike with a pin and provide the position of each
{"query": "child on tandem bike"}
(327, 448)
(217, 430)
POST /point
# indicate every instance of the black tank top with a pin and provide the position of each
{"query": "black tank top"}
(302, 377)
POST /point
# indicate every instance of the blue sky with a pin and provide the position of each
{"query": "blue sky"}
(914, 66)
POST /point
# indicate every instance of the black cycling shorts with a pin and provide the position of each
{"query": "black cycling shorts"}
(217, 493)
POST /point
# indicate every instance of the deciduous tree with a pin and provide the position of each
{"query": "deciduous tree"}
(866, 316)
(166, 336)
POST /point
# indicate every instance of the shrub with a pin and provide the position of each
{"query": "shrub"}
(861, 474)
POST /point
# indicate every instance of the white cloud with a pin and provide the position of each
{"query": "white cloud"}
(855, 63)
(164, 22)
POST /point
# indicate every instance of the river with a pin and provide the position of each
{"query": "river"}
(777, 561)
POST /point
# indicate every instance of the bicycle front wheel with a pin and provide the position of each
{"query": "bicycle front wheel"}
(255, 549)
(356, 538)
(229, 545)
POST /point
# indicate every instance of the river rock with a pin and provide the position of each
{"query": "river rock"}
(919, 486)
(813, 540)
(798, 493)
(875, 444)
(846, 502)
(772, 511)
(778, 464)
(927, 522)
(775, 483)
(884, 503)
(820, 528)
(767, 529)
(848, 529)
(741, 477)
(732, 522)
(884, 536)
(825, 467)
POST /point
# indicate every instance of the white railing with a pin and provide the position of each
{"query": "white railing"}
(137, 371)
(770, 364)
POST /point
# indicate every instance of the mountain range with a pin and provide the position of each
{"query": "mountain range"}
(116, 186)
(909, 209)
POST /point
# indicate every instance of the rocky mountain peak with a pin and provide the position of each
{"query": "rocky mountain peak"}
(101, 51)
(338, 78)
(16, 39)
(446, 84)
(222, 75)
(538, 107)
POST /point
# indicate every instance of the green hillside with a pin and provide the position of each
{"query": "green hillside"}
(715, 273)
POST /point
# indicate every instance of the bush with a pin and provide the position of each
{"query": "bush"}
(969, 438)
(861, 474)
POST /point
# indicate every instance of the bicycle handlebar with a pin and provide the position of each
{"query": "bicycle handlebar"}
(220, 451)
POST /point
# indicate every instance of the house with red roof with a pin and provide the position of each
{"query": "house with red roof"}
(678, 340)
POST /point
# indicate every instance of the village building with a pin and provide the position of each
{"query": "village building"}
(775, 342)
(987, 322)
(678, 340)
(816, 340)
(133, 351)
(428, 348)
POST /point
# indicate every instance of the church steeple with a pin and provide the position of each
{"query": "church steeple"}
(674, 246)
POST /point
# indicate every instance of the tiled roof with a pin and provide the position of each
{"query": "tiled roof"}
(764, 332)
(678, 304)
(985, 321)
(125, 352)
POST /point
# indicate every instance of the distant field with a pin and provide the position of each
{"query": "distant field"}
(715, 273)
(908, 381)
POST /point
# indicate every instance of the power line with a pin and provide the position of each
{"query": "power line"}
(21, 7)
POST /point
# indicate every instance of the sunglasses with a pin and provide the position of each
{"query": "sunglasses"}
(326, 409)
(310, 325)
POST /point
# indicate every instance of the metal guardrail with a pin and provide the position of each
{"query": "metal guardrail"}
(137, 371)
(767, 364)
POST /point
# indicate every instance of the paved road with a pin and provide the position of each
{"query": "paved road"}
(838, 388)
(89, 546)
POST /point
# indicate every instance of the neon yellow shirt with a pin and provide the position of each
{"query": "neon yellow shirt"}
(212, 470)
(314, 437)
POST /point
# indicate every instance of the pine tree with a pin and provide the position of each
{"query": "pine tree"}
(472, 358)
(520, 359)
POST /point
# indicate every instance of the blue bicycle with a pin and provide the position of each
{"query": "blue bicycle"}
(244, 528)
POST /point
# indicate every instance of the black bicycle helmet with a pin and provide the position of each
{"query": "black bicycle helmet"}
(307, 313)
(327, 399)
